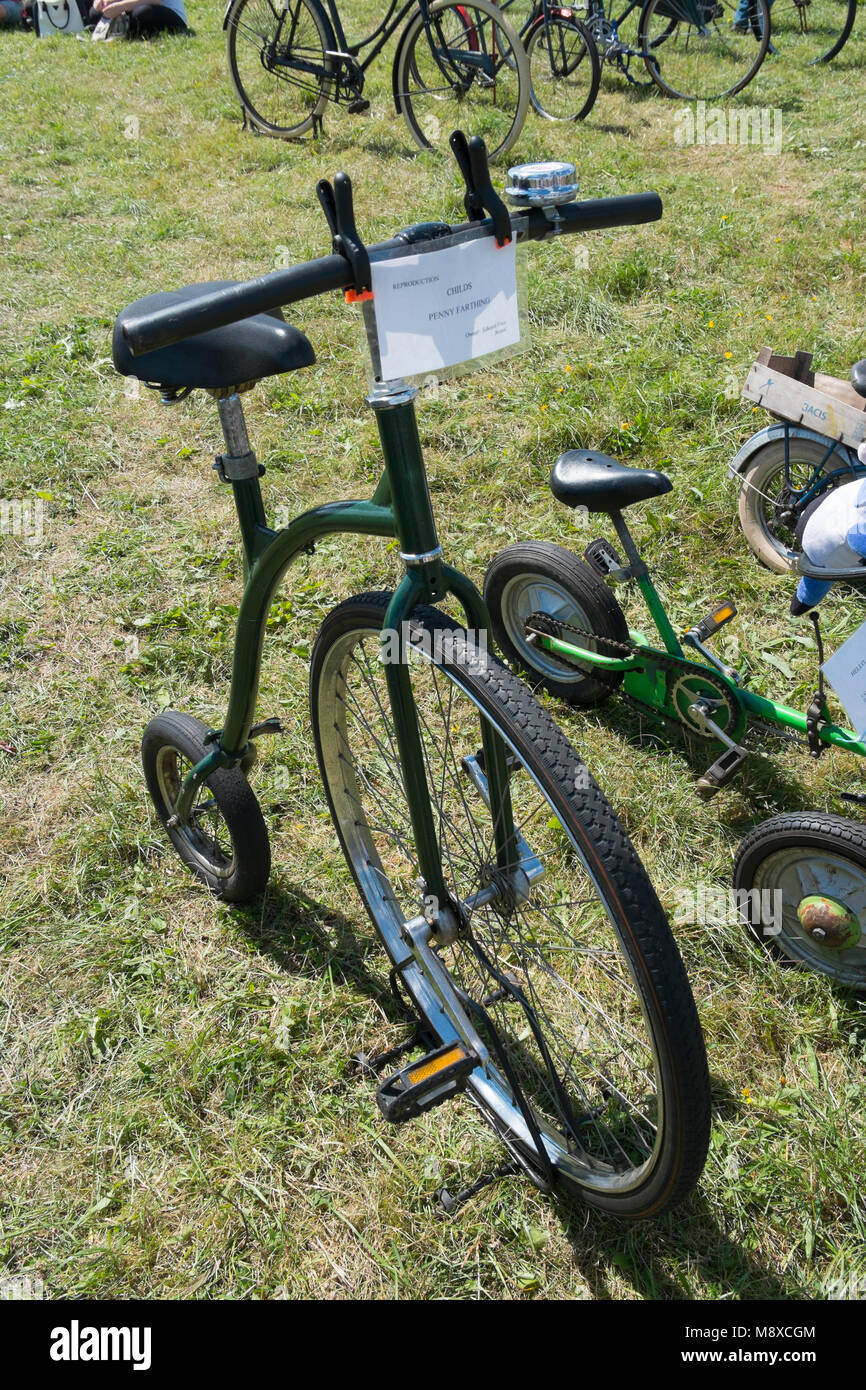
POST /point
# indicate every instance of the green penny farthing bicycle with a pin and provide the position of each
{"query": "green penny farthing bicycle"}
(515, 915)
(453, 62)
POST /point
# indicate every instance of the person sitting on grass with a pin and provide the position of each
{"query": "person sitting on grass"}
(146, 17)
(13, 12)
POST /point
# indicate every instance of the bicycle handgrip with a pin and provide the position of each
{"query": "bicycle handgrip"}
(219, 307)
(629, 210)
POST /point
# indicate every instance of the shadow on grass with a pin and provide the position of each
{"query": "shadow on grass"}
(646, 1254)
(303, 936)
(306, 937)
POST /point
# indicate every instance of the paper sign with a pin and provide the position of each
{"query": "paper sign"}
(440, 308)
(846, 672)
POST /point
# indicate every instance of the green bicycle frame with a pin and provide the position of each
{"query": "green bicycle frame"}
(399, 508)
(771, 711)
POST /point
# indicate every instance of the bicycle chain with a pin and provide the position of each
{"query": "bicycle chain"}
(536, 622)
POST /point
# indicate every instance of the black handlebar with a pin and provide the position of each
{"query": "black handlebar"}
(282, 287)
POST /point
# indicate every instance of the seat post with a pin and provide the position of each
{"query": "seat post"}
(240, 467)
(640, 572)
(638, 568)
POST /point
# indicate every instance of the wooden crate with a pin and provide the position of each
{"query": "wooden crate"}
(789, 389)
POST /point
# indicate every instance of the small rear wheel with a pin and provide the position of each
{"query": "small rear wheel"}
(537, 577)
(802, 878)
(225, 842)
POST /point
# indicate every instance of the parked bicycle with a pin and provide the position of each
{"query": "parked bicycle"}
(453, 62)
(812, 448)
(516, 916)
(690, 49)
(809, 31)
(564, 66)
(554, 616)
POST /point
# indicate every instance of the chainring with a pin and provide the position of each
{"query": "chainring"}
(729, 714)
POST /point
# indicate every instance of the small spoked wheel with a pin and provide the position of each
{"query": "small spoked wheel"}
(225, 842)
(537, 577)
(802, 881)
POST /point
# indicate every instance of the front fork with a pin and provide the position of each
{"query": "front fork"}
(400, 507)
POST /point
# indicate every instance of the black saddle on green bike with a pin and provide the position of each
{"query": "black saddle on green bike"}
(256, 347)
(586, 478)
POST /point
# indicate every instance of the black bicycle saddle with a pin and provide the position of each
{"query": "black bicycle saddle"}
(585, 478)
(264, 345)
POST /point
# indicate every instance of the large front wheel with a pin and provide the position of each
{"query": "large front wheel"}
(563, 961)
(462, 66)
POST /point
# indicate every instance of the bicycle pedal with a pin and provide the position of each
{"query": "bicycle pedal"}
(358, 106)
(722, 770)
(421, 1085)
(716, 618)
(604, 561)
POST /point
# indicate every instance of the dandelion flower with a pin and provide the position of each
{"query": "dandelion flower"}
(729, 354)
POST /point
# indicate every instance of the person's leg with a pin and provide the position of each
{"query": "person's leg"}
(10, 12)
(146, 20)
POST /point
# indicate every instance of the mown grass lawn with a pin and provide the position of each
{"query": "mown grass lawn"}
(178, 1115)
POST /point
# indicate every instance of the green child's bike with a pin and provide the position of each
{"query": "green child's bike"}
(801, 876)
(517, 917)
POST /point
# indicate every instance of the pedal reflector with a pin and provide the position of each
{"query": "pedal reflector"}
(714, 620)
(421, 1085)
(437, 1061)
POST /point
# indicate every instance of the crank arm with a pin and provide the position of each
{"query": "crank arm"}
(416, 936)
(701, 717)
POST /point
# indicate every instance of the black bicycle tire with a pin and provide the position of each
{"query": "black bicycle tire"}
(404, 58)
(235, 798)
(644, 934)
(253, 115)
(650, 8)
(799, 829)
(592, 52)
(557, 565)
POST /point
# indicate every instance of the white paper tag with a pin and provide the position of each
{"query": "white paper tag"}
(846, 672)
(441, 308)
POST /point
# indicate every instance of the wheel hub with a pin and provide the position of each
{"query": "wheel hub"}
(828, 922)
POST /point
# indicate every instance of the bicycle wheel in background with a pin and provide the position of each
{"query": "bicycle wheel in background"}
(699, 50)
(571, 965)
(467, 70)
(802, 877)
(811, 31)
(767, 500)
(277, 63)
(564, 68)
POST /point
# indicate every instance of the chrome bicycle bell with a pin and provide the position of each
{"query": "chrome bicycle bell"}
(542, 185)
